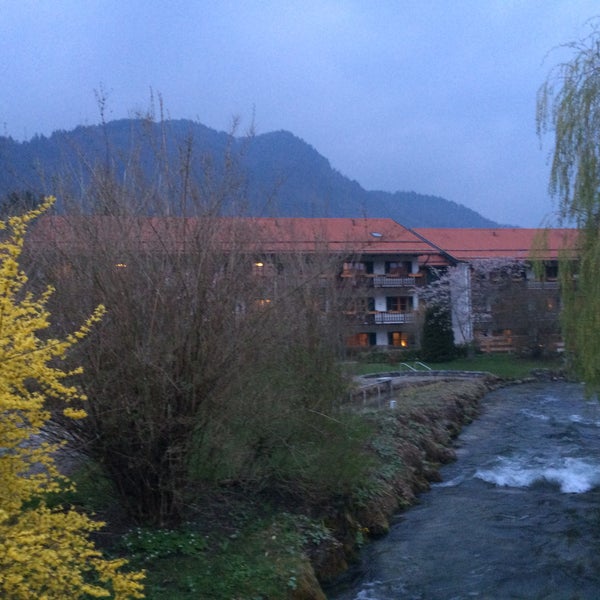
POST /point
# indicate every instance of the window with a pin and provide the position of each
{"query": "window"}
(361, 340)
(351, 269)
(398, 339)
(262, 302)
(552, 304)
(262, 268)
(398, 269)
(551, 272)
(399, 304)
(361, 305)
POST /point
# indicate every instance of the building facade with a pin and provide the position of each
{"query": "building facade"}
(504, 284)
(510, 293)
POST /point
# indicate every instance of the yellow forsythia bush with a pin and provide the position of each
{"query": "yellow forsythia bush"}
(45, 554)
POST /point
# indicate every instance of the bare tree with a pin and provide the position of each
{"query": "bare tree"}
(216, 360)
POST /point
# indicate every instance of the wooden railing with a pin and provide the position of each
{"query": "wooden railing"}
(492, 344)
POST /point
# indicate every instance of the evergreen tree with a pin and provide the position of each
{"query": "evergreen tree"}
(438, 339)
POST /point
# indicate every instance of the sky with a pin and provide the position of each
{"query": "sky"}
(432, 96)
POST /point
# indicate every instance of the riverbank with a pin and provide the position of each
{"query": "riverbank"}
(516, 514)
(245, 542)
(290, 538)
(413, 439)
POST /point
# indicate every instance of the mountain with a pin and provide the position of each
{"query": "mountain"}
(282, 174)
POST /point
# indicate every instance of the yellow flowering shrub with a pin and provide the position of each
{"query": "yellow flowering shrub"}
(45, 553)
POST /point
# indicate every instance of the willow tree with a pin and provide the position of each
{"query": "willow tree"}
(569, 108)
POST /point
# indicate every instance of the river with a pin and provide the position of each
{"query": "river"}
(516, 516)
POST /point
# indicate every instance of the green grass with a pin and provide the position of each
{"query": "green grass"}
(252, 553)
(502, 365)
(261, 560)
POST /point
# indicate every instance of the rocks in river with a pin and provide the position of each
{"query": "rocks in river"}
(549, 375)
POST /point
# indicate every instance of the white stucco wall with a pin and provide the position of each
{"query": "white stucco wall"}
(462, 314)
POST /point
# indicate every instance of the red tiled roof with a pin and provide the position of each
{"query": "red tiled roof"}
(343, 235)
(510, 243)
(364, 236)
(361, 236)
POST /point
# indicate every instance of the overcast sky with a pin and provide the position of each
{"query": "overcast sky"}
(434, 96)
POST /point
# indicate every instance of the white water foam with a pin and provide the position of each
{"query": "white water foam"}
(451, 482)
(549, 398)
(584, 421)
(572, 475)
(534, 415)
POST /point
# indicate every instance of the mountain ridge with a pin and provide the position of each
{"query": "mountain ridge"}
(284, 175)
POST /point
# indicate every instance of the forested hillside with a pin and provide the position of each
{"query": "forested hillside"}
(281, 175)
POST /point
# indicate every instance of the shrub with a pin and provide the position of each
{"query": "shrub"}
(44, 552)
(438, 338)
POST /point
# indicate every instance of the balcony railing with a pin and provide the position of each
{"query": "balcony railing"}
(393, 281)
(542, 285)
(383, 281)
(381, 318)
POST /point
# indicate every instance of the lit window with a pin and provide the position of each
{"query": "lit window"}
(398, 339)
(262, 269)
(361, 340)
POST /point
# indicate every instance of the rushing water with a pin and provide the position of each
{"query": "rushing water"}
(516, 516)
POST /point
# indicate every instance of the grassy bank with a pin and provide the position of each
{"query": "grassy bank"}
(506, 366)
(256, 544)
